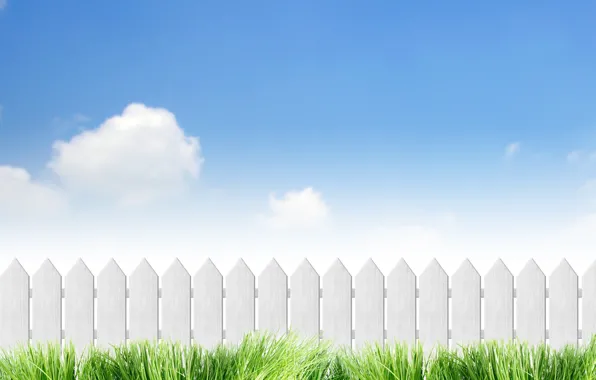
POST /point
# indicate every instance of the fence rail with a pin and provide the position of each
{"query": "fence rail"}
(377, 308)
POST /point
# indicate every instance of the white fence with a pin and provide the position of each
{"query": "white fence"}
(377, 308)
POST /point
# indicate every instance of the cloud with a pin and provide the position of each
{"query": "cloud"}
(512, 149)
(134, 158)
(80, 118)
(20, 195)
(297, 209)
(76, 121)
(2, 4)
(587, 192)
(574, 156)
(578, 155)
(588, 186)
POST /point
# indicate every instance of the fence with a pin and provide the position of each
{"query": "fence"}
(384, 308)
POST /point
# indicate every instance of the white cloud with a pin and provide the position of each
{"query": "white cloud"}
(2, 4)
(299, 209)
(587, 192)
(578, 155)
(20, 195)
(589, 186)
(80, 118)
(574, 156)
(512, 149)
(135, 157)
(76, 121)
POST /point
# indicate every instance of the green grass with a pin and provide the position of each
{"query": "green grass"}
(264, 357)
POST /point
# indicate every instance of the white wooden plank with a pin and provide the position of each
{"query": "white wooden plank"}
(14, 310)
(305, 301)
(531, 304)
(273, 299)
(337, 305)
(465, 306)
(208, 305)
(143, 303)
(240, 303)
(47, 305)
(111, 306)
(563, 306)
(498, 303)
(589, 304)
(370, 305)
(175, 303)
(401, 305)
(79, 306)
(434, 307)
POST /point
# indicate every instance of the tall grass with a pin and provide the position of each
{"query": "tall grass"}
(266, 357)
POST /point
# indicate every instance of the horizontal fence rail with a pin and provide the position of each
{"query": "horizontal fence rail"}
(376, 308)
(579, 293)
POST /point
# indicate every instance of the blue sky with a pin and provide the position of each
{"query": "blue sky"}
(398, 116)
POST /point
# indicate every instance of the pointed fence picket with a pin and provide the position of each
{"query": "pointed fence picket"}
(401, 304)
(563, 306)
(434, 307)
(305, 301)
(531, 304)
(208, 305)
(300, 301)
(273, 299)
(337, 305)
(79, 306)
(14, 313)
(498, 303)
(240, 303)
(370, 311)
(466, 305)
(47, 304)
(175, 301)
(589, 303)
(143, 303)
(111, 306)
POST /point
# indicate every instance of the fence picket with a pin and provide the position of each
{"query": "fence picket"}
(143, 303)
(370, 311)
(589, 304)
(111, 306)
(498, 303)
(305, 301)
(273, 299)
(563, 306)
(208, 302)
(434, 307)
(14, 313)
(240, 303)
(47, 304)
(175, 303)
(465, 305)
(337, 305)
(79, 306)
(302, 305)
(531, 304)
(401, 304)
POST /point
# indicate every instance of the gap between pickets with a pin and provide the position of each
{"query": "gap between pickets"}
(321, 335)
(579, 293)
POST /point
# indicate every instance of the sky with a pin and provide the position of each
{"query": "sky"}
(292, 130)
